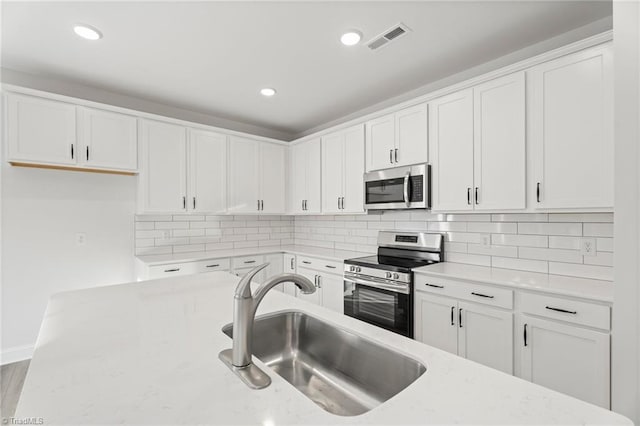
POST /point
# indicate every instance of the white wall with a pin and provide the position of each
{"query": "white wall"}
(42, 210)
(626, 319)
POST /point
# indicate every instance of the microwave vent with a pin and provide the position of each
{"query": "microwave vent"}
(387, 36)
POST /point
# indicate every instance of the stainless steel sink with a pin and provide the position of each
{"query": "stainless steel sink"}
(342, 372)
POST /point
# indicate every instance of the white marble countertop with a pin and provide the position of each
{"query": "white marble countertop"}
(323, 253)
(601, 291)
(147, 352)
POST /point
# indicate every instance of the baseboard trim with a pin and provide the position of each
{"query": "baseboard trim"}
(15, 354)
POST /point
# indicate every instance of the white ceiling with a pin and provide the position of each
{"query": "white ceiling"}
(213, 57)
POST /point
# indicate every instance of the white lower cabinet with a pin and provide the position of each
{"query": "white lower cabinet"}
(480, 333)
(329, 286)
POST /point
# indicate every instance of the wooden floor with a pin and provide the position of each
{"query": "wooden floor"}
(11, 381)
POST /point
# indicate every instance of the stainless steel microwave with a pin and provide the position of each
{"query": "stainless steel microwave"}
(398, 188)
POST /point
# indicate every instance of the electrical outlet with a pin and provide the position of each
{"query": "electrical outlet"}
(486, 239)
(588, 246)
(81, 239)
(166, 234)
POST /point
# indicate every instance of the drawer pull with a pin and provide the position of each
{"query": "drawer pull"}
(481, 295)
(249, 261)
(453, 308)
(525, 335)
(329, 266)
(306, 262)
(215, 265)
(434, 285)
(564, 311)
(172, 270)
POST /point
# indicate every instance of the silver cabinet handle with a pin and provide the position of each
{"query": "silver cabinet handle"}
(460, 317)
(476, 193)
(391, 156)
(306, 262)
(538, 192)
(453, 308)
(407, 201)
(481, 295)
(338, 203)
(249, 261)
(525, 335)
(564, 311)
(329, 266)
(396, 154)
(194, 203)
(469, 196)
(72, 151)
(172, 270)
(302, 204)
(292, 264)
(261, 205)
(215, 265)
(258, 204)
(87, 153)
(184, 202)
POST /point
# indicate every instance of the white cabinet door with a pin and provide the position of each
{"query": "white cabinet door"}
(272, 176)
(243, 174)
(436, 322)
(316, 296)
(332, 172)
(108, 140)
(41, 130)
(353, 175)
(207, 172)
(297, 177)
(313, 176)
(569, 359)
(451, 151)
(411, 136)
(485, 335)
(499, 144)
(163, 180)
(381, 142)
(332, 292)
(571, 124)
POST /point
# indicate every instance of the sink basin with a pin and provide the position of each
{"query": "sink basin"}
(342, 372)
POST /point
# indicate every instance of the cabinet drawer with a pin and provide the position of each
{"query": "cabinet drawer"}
(478, 293)
(247, 261)
(172, 270)
(330, 266)
(574, 311)
(213, 265)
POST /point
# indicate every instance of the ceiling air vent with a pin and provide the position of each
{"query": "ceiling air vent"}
(389, 35)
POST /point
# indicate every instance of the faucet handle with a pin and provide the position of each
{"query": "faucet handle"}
(244, 286)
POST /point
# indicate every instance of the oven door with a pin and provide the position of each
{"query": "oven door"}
(380, 305)
(397, 188)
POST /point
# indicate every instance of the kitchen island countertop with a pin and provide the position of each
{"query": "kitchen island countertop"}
(147, 352)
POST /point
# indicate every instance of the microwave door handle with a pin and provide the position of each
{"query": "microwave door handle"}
(406, 189)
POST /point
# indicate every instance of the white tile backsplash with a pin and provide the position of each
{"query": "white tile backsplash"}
(521, 241)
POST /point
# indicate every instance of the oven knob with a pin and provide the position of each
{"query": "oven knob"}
(396, 276)
(388, 274)
(358, 269)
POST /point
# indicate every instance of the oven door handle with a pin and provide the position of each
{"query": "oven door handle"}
(396, 288)
(407, 201)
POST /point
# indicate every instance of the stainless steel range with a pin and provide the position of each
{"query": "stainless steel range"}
(379, 288)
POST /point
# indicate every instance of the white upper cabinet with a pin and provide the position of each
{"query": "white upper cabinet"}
(41, 130)
(305, 177)
(499, 144)
(451, 151)
(272, 177)
(397, 139)
(571, 131)
(108, 140)
(53, 133)
(207, 172)
(256, 176)
(477, 147)
(163, 167)
(343, 171)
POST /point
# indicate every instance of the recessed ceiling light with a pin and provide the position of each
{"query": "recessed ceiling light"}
(351, 38)
(87, 32)
(268, 91)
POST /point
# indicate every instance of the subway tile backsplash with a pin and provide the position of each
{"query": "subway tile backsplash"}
(166, 234)
(538, 242)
